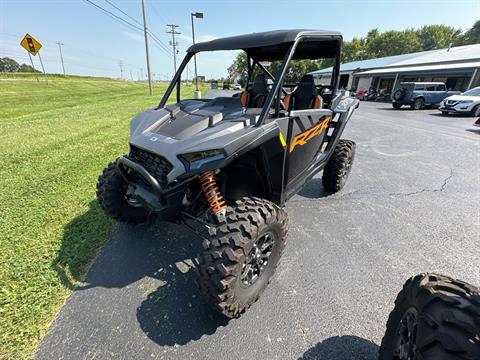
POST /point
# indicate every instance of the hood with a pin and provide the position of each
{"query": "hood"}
(192, 126)
(463, 97)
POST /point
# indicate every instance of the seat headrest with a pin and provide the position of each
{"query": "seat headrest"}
(260, 84)
(304, 93)
(306, 86)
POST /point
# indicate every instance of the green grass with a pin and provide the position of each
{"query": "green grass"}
(54, 139)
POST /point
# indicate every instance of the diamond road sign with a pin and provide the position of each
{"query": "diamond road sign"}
(30, 44)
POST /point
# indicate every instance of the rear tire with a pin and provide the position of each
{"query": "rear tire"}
(396, 105)
(338, 167)
(435, 317)
(418, 104)
(227, 266)
(111, 194)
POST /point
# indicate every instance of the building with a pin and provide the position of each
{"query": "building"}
(458, 67)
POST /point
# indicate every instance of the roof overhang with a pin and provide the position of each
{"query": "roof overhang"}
(437, 68)
(273, 45)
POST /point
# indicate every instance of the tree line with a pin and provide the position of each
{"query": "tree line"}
(376, 44)
(10, 65)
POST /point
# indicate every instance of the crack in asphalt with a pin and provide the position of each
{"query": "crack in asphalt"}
(349, 195)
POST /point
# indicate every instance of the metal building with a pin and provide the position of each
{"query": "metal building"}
(458, 67)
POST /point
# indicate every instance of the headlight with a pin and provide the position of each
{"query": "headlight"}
(199, 158)
(465, 101)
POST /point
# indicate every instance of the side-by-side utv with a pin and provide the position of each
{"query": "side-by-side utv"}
(231, 163)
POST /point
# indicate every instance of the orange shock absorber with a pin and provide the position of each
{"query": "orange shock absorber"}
(210, 189)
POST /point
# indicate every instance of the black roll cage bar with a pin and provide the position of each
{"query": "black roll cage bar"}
(277, 87)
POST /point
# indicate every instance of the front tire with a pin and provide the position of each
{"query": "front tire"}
(435, 317)
(476, 111)
(241, 255)
(112, 196)
(396, 105)
(338, 166)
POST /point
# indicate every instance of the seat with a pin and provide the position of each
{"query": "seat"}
(255, 97)
(305, 96)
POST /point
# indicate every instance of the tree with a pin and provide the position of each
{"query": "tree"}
(391, 43)
(471, 36)
(8, 65)
(240, 66)
(26, 68)
(437, 36)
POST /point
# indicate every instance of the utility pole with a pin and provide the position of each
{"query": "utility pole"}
(146, 47)
(120, 63)
(173, 43)
(61, 56)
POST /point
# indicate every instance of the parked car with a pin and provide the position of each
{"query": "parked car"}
(420, 94)
(477, 123)
(466, 103)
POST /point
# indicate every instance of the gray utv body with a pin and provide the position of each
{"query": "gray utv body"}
(268, 151)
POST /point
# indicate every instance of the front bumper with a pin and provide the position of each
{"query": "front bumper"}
(165, 202)
(456, 109)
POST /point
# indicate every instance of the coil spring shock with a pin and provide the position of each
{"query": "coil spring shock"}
(210, 189)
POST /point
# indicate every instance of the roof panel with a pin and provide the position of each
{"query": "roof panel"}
(261, 39)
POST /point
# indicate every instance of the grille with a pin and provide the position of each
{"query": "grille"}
(157, 166)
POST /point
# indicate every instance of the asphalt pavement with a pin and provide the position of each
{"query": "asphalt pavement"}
(411, 204)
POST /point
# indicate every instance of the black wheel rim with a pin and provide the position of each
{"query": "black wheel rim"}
(257, 259)
(407, 336)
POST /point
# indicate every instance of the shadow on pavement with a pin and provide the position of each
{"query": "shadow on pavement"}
(314, 189)
(346, 347)
(157, 258)
(81, 240)
(475, 131)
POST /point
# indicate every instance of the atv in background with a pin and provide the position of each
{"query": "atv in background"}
(435, 318)
(231, 163)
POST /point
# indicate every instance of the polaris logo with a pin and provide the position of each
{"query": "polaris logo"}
(153, 138)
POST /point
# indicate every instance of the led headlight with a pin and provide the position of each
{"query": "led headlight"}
(199, 158)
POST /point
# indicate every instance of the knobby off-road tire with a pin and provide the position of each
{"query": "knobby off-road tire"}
(396, 105)
(444, 319)
(338, 166)
(247, 226)
(111, 194)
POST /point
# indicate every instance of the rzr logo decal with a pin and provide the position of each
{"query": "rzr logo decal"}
(301, 139)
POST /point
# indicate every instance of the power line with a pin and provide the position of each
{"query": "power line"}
(161, 46)
(112, 15)
(123, 12)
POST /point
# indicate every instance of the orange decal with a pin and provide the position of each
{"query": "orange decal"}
(301, 139)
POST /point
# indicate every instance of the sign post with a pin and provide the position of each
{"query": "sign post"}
(33, 47)
(33, 66)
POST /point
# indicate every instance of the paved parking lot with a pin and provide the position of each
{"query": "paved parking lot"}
(411, 205)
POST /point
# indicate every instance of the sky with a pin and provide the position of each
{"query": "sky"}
(94, 43)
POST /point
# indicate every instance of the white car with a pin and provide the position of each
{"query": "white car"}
(466, 103)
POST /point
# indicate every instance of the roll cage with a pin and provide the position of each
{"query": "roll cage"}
(285, 45)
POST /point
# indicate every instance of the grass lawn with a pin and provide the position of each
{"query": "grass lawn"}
(54, 140)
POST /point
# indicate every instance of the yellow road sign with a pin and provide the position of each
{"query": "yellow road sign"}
(30, 44)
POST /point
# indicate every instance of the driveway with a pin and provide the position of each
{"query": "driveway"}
(411, 204)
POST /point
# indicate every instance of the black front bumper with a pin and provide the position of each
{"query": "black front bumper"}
(165, 202)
